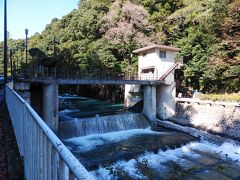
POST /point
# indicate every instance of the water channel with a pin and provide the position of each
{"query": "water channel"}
(125, 145)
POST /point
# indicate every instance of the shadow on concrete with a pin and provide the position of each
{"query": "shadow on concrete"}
(14, 161)
(217, 120)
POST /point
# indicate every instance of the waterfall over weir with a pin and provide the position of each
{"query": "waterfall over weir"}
(101, 124)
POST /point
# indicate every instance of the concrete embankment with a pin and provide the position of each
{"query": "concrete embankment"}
(217, 118)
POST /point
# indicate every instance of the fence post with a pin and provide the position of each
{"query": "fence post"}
(62, 169)
(50, 106)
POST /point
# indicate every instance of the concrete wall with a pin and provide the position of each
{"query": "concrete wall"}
(23, 89)
(10, 84)
(166, 103)
(152, 59)
(44, 100)
(50, 106)
(132, 95)
(215, 118)
(37, 98)
(164, 96)
(158, 101)
(149, 102)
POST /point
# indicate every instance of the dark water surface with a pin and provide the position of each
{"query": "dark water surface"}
(80, 107)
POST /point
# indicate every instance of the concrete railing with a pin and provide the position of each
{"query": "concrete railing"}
(197, 101)
(44, 155)
(168, 76)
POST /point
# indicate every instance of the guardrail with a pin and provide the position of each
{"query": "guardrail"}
(197, 101)
(44, 155)
(75, 74)
(168, 76)
(49, 73)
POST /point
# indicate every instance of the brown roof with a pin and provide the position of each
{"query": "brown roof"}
(156, 46)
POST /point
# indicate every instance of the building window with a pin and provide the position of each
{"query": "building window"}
(148, 70)
(162, 54)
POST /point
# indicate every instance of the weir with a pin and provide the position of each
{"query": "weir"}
(99, 125)
(43, 98)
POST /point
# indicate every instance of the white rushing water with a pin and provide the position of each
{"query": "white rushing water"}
(66, 111)
(86, 143)
(156, 161)
(70, 96)
(102, 124)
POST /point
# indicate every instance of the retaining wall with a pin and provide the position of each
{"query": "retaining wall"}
(215, 117)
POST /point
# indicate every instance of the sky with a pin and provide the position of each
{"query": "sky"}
(33, 15)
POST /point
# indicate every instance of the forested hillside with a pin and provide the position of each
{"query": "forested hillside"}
(100, 35)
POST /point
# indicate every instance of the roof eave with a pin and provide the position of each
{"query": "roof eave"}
(141, 50)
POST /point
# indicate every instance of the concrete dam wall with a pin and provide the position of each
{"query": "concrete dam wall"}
(102, 124)
(217, 119)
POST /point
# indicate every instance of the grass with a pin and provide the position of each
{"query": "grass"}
(235, 97)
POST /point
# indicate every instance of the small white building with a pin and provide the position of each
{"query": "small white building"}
(154, 61)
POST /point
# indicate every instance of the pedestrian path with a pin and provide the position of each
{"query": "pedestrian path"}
(3, 155)
(10, 161)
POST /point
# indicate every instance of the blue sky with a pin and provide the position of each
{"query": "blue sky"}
(33, 15)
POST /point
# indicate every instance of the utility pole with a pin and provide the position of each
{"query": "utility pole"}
(11, 62)
(26, 43)
(5, 45)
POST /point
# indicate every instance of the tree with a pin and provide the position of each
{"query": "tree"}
(126, 27)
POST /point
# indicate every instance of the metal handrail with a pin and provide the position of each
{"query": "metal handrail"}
(45, 156)
(168, 72)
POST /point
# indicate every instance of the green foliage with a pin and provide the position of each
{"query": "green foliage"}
(169, 6)
(100, 36)
(208, 49)
(195, 53)
(18, 50)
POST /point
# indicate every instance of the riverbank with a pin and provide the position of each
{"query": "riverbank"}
(218, 118)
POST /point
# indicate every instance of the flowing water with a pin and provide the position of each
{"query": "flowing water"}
(102, 124)
(124, 146)
(81, 107)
